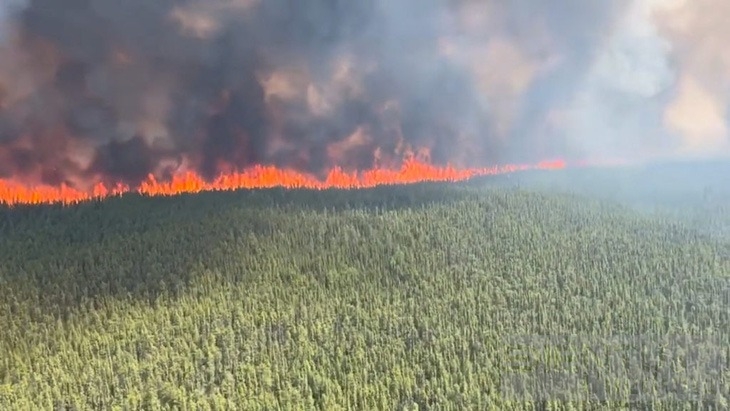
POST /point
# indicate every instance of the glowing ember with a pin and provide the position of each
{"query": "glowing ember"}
(412, 171)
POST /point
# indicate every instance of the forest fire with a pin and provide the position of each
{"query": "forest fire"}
(200, 96)
(412, 171)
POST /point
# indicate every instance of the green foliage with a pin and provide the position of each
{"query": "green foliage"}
(400, 298)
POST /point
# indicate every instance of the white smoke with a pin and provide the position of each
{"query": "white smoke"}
(617, 110)
(659, 86)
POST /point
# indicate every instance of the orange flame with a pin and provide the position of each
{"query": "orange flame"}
(411, 171)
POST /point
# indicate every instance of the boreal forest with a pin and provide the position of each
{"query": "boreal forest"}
(541, 290)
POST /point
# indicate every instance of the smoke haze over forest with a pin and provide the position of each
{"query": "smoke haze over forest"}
(115, 90)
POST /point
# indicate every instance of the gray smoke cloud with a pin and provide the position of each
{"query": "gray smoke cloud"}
(116, 90)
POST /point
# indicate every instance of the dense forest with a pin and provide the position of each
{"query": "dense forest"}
(489, 295)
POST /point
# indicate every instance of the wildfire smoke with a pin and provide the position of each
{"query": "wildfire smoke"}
(104, 96)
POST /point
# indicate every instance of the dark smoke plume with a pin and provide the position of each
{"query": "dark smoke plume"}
(116, 90)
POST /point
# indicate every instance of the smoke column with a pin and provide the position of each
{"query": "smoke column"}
(109, 90)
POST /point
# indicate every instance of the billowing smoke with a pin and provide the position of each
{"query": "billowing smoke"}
(700, 107)
(116, 90)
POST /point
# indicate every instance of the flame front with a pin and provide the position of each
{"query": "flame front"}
(411, 171)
